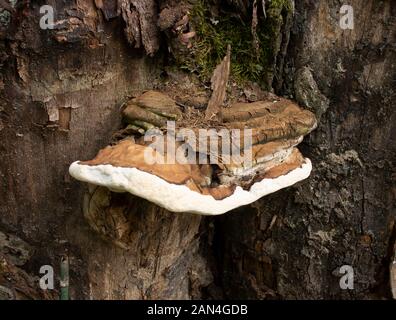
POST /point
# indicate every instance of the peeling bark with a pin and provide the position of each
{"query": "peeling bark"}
(141, 29)
(219, 82)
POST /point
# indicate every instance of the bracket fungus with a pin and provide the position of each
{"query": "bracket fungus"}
(202, 176)
(206, 163)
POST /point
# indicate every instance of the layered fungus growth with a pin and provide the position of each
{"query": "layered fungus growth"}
(206, 162)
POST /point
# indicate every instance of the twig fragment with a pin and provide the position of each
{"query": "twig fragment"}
(219, 82)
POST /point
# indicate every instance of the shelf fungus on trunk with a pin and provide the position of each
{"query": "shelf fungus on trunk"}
(185, 162)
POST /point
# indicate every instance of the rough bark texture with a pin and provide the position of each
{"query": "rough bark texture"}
(62, 104)
(60, 95)
(292, 244)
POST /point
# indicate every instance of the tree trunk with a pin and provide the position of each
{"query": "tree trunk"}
(293, 243)
(60, 96)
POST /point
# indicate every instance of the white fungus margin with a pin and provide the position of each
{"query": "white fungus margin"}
(179, 198)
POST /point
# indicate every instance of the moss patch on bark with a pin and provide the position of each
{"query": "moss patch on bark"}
(216, 31)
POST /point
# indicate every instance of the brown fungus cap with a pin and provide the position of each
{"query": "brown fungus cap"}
(277, 126)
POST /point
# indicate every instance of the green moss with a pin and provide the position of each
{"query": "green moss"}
(212, 39)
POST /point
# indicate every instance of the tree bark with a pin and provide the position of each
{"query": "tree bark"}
(61, 91)
(292, 244)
